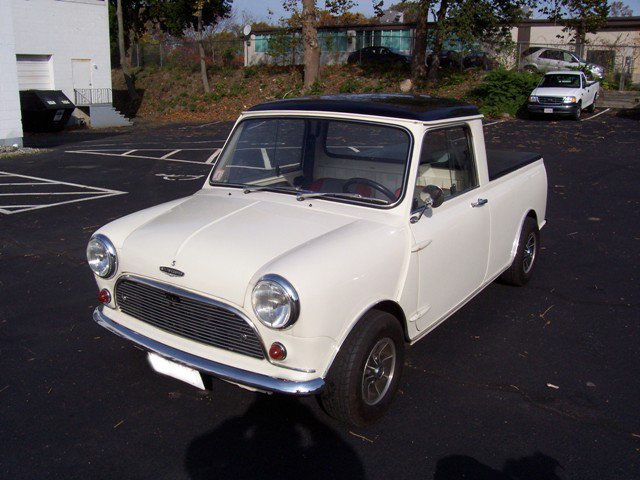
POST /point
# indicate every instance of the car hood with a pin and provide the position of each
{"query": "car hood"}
(556, 92)
(220, 242)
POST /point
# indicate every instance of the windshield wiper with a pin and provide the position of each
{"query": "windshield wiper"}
(352, 196)
(248, 189)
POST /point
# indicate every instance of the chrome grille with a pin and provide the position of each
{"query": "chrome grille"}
(550, 100)
(189, 316)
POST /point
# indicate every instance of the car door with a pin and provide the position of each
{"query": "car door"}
(547, 61)
(452, 241)
(568, 61)
(589, 90)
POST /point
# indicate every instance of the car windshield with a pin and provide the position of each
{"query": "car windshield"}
(316, 157)
(561, 80)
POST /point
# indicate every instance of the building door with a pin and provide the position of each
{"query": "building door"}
(34, 72)
(81, 70)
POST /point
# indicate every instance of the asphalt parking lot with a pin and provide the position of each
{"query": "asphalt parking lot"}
(526, 383)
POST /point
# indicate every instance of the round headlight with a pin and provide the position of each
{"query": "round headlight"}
(275, 302)
(101, 255)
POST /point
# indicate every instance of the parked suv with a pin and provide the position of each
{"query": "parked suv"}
(548, 59)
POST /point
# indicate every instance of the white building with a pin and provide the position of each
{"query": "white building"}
(55, 45)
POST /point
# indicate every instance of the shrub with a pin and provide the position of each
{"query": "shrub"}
(350, 85)
(316, 88)
(504, 91)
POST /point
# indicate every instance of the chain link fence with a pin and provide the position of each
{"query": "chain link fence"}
(184, 52)
(621, 63)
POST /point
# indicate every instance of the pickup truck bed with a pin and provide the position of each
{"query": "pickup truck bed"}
(502, 162)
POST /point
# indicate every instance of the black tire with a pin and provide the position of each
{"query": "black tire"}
(576, 115)
(346, 396)
(592, 108)
(521, 269)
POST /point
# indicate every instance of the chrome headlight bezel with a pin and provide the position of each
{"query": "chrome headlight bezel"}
(280, 288)
(533, 99)
(106, 248)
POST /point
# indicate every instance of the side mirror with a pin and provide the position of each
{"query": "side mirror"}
(432, 196)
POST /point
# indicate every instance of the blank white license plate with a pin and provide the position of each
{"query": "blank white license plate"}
(548, 110)
(175, 370)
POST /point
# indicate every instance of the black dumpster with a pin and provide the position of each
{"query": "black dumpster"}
(44, 110)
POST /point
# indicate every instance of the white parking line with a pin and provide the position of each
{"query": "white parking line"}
(594, 116)
(492, 123)
(164, 157)
(89, 152)
(129, 152)
(213, 156)
(89, 192)
(208, 124)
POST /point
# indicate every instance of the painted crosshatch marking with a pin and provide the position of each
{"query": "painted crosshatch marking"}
(22, 193)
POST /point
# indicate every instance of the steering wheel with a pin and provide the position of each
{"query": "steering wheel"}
(370, 183)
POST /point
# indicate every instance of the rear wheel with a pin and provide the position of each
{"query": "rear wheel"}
(365, 374)
(592, 108)
(524, 262)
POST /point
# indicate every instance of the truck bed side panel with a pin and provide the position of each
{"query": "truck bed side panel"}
(511, 197)
(503, 162)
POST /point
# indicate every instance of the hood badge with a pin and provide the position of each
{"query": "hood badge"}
(172, 272)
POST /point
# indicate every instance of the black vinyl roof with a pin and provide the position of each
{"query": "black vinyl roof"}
(412, 107)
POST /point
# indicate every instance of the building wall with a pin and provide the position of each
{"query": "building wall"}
(10, 118)
(66, 30)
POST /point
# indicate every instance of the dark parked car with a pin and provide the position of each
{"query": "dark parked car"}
(448, 59)
(478, 60)
(379, 55)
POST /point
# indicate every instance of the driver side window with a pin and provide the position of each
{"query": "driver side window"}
(446, 161)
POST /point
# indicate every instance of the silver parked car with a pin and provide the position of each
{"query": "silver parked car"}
(543, 59)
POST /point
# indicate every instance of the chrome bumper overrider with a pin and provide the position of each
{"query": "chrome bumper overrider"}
(209, 367)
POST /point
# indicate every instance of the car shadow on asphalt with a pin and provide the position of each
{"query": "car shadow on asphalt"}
(276, 437)
(535, 467)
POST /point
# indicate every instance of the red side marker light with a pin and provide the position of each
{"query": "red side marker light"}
(277, 351)
(104, 296)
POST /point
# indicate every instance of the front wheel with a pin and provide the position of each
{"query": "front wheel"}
(521, 269)
(365, 374)
(576, 115)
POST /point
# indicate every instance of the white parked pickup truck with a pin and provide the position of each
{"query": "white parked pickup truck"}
(332, 232)
(564, 93)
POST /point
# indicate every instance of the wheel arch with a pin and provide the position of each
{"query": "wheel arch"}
(389, 306)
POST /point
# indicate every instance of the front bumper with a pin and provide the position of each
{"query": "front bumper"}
(564, 109)
(209, 367)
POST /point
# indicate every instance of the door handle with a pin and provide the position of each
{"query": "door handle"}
(480, 202)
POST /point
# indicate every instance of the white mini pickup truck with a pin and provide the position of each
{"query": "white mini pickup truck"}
(564, 93)
(332, 233)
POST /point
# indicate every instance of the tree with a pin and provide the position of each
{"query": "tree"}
(129, 25)
(579, 17)
(308, 21)
(131, 88)
(465, 20)
(176, 16)
(619, 9)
